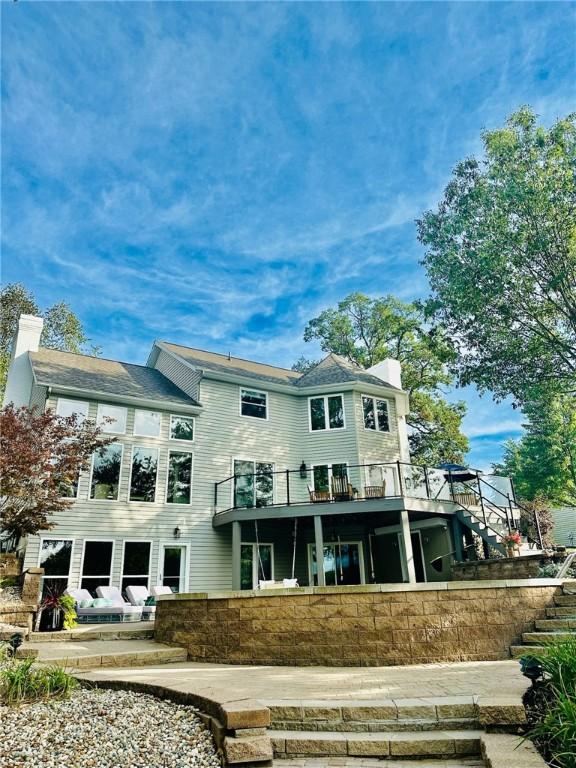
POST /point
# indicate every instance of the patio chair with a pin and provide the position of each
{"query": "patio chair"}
(375, 491)
(114, 594)
(160, 590)
(138, 595)
(316, 496)
(341, 489)
(89, 613)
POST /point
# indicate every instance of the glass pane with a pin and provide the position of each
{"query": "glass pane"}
(181, 428)
(340, 470)
(336, 412)
(118, 415)
(321, 482)
(134, 581)
(264, 565)
(54, 586)
(246, 566)
(264, 482)
(329, 566)
(348, 564)
(368, 408)
(253, 403)
(172, 568)
(136, 557)
(97, 558)
(147, 423)
(317, 414)
(55, 557)
(143, 480)
(69, 407)
(106, 472)
(92, 584)
(69, 490)
(179, 478)
(382, 409)
(243, 483)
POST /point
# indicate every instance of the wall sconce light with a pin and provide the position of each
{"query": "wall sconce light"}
(303, 470)
(177, 533)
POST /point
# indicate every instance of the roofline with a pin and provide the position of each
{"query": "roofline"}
(234, 357)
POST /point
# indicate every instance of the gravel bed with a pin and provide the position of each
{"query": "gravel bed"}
(105, 729)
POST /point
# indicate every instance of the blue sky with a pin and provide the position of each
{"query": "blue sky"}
(217, 174)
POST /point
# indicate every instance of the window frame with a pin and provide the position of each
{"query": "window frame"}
(312, 546)
(179, 439)
(254, 462)
(145, 447)
(39, 558)
(330, 475)
(107, 501)
(150, 554)
(327, 427)
(105, 427)
(255, 563)
(175, 503)
(259, 392)
(70, 400)
(81, 576)
(139, 434)
(375, 399)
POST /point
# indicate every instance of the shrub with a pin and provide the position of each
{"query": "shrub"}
(21, 683)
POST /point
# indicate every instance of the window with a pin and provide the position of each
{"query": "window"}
(117, 414)
(253, 483)
(181, 428)
(69, 487)
(253, 403)
(147, 423)
(143, 474)
(96, 565)
(343, 563)
(68, 407)
(375, 414)
(106, 466)
(136, 564)
(256, 564)
(179, 478)
(55, 558)
(326, 412)
(323, 476)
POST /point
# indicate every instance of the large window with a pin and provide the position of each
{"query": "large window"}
(326, 412)
(375, 414)
(182, 428)
(254, 403)
(179, 478)
(256, 564)
(106, 466)
(253, 483)
(112, 419)
(331, 479)
(69, 407)
(143, 474)
(343, 563)
(147, 423)
(55, 558)
(96, 565)
(136, 564)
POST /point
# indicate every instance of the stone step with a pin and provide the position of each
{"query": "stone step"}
(105, 653)
(551, 625)
(376, 726)
(526, 650)
(565, 600)
(543, 638)
(143, 630)
(391, 744)
(569, 612)
(569, 586)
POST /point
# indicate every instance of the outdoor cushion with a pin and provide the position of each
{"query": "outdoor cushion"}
(160, 590)
(86, 604)
(79, 594)
(111, 593)
(137, 594)
(289, 582)
(110, 610)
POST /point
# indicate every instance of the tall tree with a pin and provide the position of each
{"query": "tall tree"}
(62, 328)
(366, 331)
(501, 259)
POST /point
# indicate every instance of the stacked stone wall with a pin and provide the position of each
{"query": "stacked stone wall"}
(524, 567)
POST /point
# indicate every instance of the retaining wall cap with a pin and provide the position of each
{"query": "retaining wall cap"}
(35, 570)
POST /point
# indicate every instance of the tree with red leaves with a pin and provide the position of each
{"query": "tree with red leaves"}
(41, 455)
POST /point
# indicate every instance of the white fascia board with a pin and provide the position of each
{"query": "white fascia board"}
(92, 394)
(415, 525)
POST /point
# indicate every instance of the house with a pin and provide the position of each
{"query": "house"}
(225, 472)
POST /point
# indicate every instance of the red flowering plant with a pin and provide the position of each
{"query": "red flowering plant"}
(512, 540)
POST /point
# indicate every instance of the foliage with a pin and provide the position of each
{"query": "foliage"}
(550, 570)
(501, 260)
(62, 329)
(55, 600)
(366, 331)
(21, 683)
(304, 364)
(511, 539)
(39, 454)
(528, 511)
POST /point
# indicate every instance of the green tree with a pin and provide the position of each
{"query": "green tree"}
(62, 328)
(366, 331)
(501, 259)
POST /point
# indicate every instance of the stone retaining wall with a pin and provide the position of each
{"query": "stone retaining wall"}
(524, 567)
(355, 626)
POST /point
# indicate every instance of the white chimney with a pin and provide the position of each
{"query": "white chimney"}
(389, 370)
(26, 339)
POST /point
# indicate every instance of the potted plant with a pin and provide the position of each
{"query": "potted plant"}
(511, 542)
(57, 612)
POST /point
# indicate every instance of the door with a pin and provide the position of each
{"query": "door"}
(172, 566)
(343, 563)
(254, 568)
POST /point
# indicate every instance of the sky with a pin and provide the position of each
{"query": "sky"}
(217, 174)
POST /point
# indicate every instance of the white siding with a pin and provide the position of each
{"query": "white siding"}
(182, 375)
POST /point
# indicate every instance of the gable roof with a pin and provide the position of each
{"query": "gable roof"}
(335, 369)
(95, 374)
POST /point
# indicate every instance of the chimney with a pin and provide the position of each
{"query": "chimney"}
(389, 370)
(26, 339)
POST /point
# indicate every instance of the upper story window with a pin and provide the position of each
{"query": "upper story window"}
(68, 407)
(117, 414)
(179, 487)
(181, 428)
(254, 403)
(106, 468)
(147, 423)
(253, 483)
(375, 414)
(143, 474)
(326, 412)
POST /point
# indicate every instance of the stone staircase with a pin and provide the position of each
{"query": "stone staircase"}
(559, 624)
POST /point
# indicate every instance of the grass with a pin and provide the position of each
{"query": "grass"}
(21, 683)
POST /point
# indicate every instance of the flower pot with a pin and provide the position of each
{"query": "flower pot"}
(51, 620)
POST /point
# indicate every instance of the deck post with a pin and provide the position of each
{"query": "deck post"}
(457, 533)
(319, 541)
(236, 547)
(407, 545)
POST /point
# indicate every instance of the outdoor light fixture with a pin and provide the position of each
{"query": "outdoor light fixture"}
(531, 668)
(177, 533)
(303, 470)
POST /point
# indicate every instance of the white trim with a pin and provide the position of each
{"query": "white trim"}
(148, 448)
(258, 392)
(374, 399)
(81, 574)
(76, 402)
(312, 547)
(179, 439)
(173, 503)
(255, 560)
(186, 567)
(108, 428)
(139, 434)
(56, 538)
(327, 427)
(100, 501)
(137, 576)
(254, 462)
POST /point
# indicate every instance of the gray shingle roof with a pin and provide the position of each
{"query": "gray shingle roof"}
(337, 370)
(53, 368)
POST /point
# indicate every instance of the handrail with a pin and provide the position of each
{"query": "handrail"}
(566, 565)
